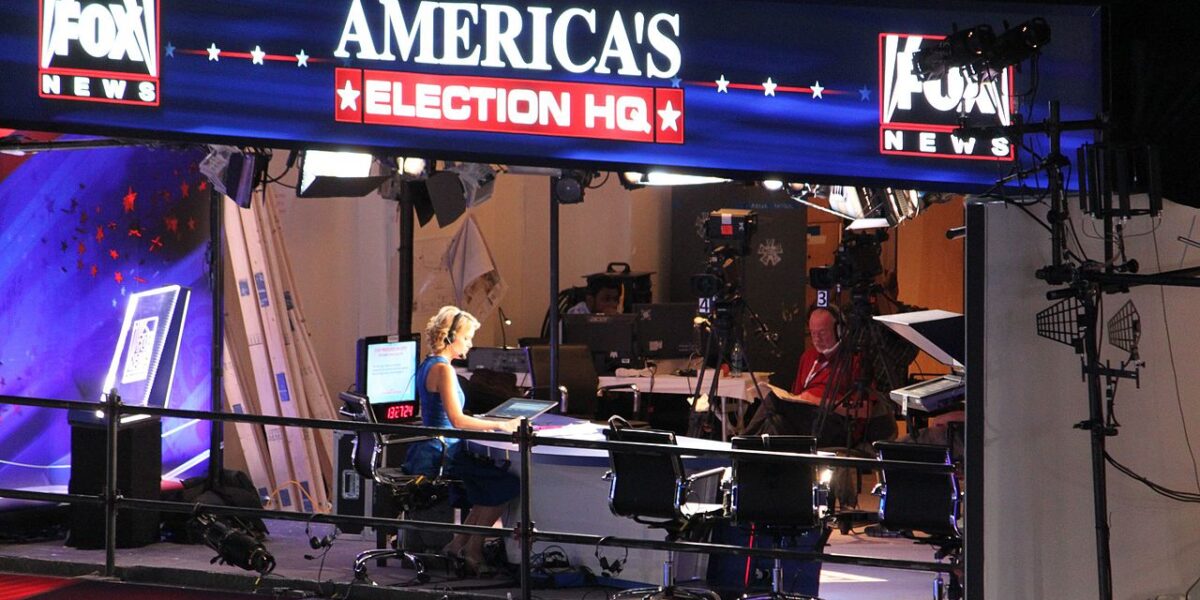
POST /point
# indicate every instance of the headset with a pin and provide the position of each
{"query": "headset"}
(839, 322)
(611, 568)
(453, 328)
(319, 543)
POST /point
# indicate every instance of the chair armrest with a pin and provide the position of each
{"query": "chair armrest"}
(624, 387)
(705, 474)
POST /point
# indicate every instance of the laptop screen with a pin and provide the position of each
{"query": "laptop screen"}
(516, 408)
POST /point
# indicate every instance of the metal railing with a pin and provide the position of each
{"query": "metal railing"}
(525, 531)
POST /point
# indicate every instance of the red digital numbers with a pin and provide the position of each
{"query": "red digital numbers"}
(400, 411)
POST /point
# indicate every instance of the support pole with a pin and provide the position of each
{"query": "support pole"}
(111, 400)
(216, 278)
(1099, 432)
(404, 299)
(554, 326)
(525, 440)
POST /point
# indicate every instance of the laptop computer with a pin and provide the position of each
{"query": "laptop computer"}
(516, 408)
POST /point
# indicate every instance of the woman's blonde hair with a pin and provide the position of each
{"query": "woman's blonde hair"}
(437, 331)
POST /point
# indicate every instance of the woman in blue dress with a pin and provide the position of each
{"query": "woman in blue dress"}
(449, 335)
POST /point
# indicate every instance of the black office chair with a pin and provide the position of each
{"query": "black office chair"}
(577, 375)
(778, 497)
(409, 492)
(652, 489)
(924, 507)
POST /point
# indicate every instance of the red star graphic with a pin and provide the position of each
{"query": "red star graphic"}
(156, 243)
(120, 278)
(114, 254)
(135, 231)
(129, 199)
(94, 270)
(183, 189)
(81, 248)
(112, 225)
(203, 185)
(99, 234)
(172, 224)
(191, 223)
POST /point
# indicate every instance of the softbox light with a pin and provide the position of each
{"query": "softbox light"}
(336, 175)
(440, 195)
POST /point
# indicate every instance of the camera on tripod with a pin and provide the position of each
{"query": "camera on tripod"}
(727, 234)
(856, 263)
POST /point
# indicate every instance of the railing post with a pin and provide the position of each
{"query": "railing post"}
(525, 445)
(111, 402)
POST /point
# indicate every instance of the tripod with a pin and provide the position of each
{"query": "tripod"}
(726, 333)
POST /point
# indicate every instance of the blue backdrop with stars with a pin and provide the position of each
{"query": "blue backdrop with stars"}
(82, 230)
(771, 88)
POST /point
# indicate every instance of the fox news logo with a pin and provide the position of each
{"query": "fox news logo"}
(916, 117)
(99, 51)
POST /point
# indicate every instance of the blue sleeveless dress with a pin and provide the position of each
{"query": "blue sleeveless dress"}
(486, 483)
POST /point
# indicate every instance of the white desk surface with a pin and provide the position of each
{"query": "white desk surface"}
(581, 430)
(740, 387)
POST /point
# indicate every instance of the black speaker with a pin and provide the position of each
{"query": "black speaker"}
(354, 494)
(139, 475)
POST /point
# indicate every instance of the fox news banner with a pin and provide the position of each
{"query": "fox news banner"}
(805, 89)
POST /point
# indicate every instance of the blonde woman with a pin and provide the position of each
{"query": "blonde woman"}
(449, 335)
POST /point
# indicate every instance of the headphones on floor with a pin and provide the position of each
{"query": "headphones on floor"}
(322, 543)
(839, 321)
(611, 568)
(453, 328)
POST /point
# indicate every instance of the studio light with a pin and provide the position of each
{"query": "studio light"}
(336, 175)
(232, 543)
(568, 187)
(772, 185)
(632, 178)
(981, 54)
(478, 181)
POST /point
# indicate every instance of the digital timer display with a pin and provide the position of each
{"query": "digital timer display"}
(400, 412)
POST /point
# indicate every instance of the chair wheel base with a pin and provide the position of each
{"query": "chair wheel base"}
(663, 593)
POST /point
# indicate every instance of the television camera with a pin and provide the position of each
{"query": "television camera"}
(856, 264)
(727, 234)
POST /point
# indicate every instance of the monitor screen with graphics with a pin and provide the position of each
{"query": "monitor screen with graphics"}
(387, 375)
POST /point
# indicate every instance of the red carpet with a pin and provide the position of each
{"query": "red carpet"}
(21, 587)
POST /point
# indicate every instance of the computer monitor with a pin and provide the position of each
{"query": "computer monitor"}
(387, 376)
(611, 338)
(666, 330)
(505, 360)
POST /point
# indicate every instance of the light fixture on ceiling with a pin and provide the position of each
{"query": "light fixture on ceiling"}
(636, 179)
(326, 174)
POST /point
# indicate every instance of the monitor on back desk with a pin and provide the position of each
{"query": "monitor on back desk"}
(505, 360)
(666, 330)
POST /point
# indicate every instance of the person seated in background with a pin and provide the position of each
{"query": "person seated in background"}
(848, 423)
(449, 335)
(603, 296)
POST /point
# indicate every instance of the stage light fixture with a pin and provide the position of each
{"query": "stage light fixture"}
(662, 178)
(336, 175)
(966, 48)
(568, 187)
(901, 205)
(771, 185)
(981, 54)
(478, 181)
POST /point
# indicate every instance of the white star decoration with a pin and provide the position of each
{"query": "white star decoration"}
(256, 56)
(349, 97)
(722, 85)
(769, 87)
(817, 89)
(302, 59)
(214, 53)
(670, 117)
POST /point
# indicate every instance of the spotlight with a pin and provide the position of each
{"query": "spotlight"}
(336, 175)
(568, 187)
(478, 181)
(232, 544)
(967, 48)
(772, 185)
(1019, 43)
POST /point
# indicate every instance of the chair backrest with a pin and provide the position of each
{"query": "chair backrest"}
(644, 484)
(365, 454)
(576, 372)
(772, 493)
(913, 501)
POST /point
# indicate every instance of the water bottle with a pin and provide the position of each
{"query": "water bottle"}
(736, 360)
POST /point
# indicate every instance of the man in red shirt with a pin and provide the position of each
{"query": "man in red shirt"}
(825, 393)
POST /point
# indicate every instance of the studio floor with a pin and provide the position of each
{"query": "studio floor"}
(330, 574)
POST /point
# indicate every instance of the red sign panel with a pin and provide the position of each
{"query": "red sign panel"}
(503, 105)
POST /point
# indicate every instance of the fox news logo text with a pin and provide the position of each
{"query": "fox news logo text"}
(99, 51)
(916, 117)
